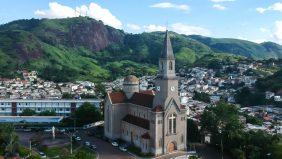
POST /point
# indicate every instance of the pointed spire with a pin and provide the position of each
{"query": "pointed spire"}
(167, 51)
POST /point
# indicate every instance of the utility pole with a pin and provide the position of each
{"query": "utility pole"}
(71, 144)
(30, 148)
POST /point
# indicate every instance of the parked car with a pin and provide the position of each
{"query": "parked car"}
(42, 155)
(48, 130)
(78, 138)
(115, 144)
(87, 143)
(27, 130)
(123, 148)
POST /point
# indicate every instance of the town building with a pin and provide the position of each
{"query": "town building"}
(14, 107)
(153, 121)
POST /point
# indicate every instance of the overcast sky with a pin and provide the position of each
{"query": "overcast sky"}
(254, 20)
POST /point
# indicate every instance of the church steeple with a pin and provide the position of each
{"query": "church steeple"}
(167, 52)
(167, 60)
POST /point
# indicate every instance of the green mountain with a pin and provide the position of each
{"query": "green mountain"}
(245, 48)
(85, 49)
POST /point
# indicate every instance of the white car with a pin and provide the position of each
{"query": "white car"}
(48, 130)
(123, 148)
(115, 144)
(87, 143)
(42, 155)
(78, 138)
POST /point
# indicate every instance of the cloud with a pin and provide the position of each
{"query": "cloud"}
(133, 26)
(166, 5)
(219, 1)
(94, 10)
(264, 30)
(219, 7)
(274, 7)
(179, 28)
(153, 27)
(278, 32)
(189, 30)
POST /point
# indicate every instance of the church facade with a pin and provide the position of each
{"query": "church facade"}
(154, 121)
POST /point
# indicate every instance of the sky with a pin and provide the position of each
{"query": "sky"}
(254, 20)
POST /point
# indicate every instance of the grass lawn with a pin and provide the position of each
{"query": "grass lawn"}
(79, 152)
(277, 150)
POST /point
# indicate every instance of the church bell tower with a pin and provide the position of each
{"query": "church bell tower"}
(166, 82)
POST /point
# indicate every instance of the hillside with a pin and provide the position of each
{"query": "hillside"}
(245, 48)
(85, 49)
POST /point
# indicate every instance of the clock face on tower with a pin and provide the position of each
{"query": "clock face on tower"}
(158, 88)
(172, 88)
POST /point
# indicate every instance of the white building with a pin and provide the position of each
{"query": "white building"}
(12, 107)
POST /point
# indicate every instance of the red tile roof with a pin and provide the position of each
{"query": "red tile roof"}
(158, 108)
(151, 92)
(140, 122)
(142, 99)
(117, 97)
(146, 136)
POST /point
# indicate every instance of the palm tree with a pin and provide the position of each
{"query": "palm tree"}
(12, 145)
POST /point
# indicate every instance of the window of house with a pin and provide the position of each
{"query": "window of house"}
(159, 121)
(182, 138)
(172, 123)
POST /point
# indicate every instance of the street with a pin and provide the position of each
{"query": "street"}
(104, 149)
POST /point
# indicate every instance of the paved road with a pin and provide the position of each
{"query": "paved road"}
(209, 152)
(104, 149)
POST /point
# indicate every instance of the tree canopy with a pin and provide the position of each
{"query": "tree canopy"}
(239, 143)
(87, 113)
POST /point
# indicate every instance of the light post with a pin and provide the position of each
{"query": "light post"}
(71, 144)
(70, 135)
(220, 128)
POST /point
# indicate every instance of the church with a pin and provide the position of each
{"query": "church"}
(154, 121)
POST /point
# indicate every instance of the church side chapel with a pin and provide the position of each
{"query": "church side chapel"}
(154, 121)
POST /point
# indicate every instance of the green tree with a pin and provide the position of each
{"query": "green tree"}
(28, 112)
(67, 96)
(193, 134)
(47, 113)
(201, 96)
(255, 145)
(87, 113)
(8, 139)
(253, 120)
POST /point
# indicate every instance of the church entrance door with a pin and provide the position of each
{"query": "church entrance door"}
(171, 147)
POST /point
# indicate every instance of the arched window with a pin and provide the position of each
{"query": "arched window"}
(172, 123)
(170, 65)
